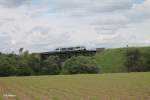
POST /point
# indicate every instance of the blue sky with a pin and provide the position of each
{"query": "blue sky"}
(43, 25)
(139, 1)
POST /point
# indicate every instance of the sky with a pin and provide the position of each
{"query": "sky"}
(43, 25)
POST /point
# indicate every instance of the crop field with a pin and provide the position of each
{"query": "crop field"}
(116, 86)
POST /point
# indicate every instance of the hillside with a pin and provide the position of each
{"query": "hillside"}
(112, 60)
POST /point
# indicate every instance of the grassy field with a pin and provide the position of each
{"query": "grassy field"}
(113, 60)
(117, 86)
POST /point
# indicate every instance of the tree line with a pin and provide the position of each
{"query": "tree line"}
(26, 64)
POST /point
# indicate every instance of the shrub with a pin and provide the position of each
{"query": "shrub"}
(51, 66)
(23, 69)
(137, 61)
(34, 63)
(6, 67)
(132, 61)
(144, 62)
(80, 64)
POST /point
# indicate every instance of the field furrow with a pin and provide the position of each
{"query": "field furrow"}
(119, 86)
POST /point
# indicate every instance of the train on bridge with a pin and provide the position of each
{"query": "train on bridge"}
(65, 53)
(79, 48)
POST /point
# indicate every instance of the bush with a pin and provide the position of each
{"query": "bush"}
(28, 64)
(51, 66)
(35, 64)
(6, 67)
(132, 61)
(23, 69)
(80, 64)
(137, 61)
(144, 62)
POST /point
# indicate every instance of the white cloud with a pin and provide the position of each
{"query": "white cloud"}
(14, 3)
(46, 24)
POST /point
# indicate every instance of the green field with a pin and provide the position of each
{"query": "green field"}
(117, 86)
(113, 60)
